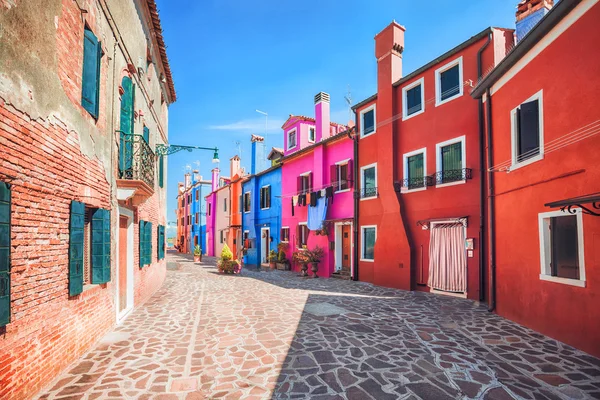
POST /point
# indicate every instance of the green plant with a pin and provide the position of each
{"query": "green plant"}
(300, 257)
(272, 256)
(281, 248)
(226, 254)
(197, 250)
(315, 255)
(226, 263)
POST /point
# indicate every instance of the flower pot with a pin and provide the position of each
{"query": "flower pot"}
(272, 265)
(282, 266)
(314, 268)
(303, 269)
(197, 258)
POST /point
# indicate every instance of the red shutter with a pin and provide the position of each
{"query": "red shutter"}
(299, 184)
(350, 174)
(333, 176)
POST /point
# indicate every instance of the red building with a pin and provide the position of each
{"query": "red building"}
(542, 120)
(419, 146)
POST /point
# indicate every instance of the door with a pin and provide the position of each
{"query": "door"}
(123, 222)
(264, 245)
(346, 248)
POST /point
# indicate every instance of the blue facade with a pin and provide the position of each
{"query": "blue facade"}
(197, 234)
(257, 220)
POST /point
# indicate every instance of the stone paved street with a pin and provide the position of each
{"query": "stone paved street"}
(268, 335)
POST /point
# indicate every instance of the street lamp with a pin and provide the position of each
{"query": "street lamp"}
(215, 159)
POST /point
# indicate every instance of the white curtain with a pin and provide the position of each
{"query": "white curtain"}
(447, 258)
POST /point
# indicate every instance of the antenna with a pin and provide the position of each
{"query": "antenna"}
(348, 98)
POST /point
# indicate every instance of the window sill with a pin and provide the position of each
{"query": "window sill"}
(440, 102)
(342, 191)
(413, 190)
(366, 260)
(406, 117)
(564, 281)
(526, 162)
(368, 198)
(363, 134)
(268, 208)
(441, 185)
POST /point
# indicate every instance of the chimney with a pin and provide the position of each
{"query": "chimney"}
(188, 180)
(257, 154)
(322, 116)
(197, 176)
(234, 165)
(389, 46)
(529, 13)
(215, 179)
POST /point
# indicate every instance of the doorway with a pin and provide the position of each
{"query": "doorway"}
(265, 236)
(124, 293)
(448, 258)
(343, 248)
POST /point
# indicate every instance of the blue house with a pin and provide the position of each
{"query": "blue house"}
(197, 235)
(261, 205)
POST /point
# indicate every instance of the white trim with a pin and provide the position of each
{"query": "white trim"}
(362, 170)
(263, 245)
(304, 224)
(405, 89)
(338, 165)
(545, 247)
(578, 12)
(438, 72)
(405, 157)
(362, 242)
(120, 316)
(308, 136)
(244, 203)
(339, 247)
(539, 96)
(261, 188)
(282, 228)
(288, 138)
(438, 158)
(362, 125)
(342, 162)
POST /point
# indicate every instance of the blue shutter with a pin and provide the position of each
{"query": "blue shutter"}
(147, 134)
(161, 242)
(149, 243)
(5, 202)
(142, 244)
(101, 246)
(90, 82)
(126, 128)
(161, 168)
(76, 225)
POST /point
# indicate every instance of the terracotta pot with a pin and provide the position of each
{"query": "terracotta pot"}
(197, 258)
(303, 269)
(314, 268)
(272, 265)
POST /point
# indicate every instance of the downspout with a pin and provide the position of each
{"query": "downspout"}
(356, 204)
(481, 117)
(490, 188)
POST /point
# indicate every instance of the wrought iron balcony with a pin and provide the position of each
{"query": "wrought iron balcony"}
(416, 183)
(136, 159)
(369, 192)
(452, 175)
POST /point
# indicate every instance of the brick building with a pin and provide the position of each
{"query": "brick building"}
(84, 93)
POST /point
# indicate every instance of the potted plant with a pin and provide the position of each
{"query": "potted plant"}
(227, 264)
(282, 262)
(314, 257)
(300, 258)
(197, 254)
(272, 259)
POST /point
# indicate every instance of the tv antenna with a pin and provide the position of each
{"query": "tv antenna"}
(348, 98)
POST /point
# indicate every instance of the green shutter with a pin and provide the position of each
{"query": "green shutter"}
(5, 202)
(161, 242)
(149, 242)
(142, 245)
(161, 170)
(101, 246)
(76, 248)
(452, 157)
(126, 126)
(147, 134)
(416, 171)
(90, 82)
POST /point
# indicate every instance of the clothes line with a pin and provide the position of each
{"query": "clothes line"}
(335, 183)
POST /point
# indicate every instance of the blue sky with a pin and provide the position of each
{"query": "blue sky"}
(231, 57)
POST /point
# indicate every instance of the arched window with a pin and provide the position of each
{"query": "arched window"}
(126, 128)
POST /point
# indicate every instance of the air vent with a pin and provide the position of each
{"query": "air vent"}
(321, 96)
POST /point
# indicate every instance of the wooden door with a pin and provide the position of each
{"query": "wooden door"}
(346, 248)
(123, 263)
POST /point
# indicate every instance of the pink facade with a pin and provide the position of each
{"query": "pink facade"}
(320, 160)
(211, 213)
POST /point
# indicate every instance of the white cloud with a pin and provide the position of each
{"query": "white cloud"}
(254, 125)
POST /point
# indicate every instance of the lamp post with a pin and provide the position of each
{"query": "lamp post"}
(168, 149)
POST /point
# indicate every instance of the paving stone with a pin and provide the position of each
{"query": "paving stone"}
(428, 391)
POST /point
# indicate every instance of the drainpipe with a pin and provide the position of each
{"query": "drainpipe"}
(356, 203)
(481, 117)
(491, 201)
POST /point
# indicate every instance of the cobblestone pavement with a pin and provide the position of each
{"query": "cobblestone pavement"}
(272, 334)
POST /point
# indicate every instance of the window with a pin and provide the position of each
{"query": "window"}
(197, 221)
(311, 134)
(561, 247)
(209, 208)
(189, 198)
(304, 183)
(221, 232)
(189, 219)
(450, 162)
(126, 126)
(285, 234)
(448, 82)
(369, 236)
(90, 77)
(197, 194)
(341, 175)
(145, 234)
(368, 181)
(413, 97)
(224, 204)
(302, 235)
(367, 121)
(247, 202)
(527, 131)
(415, 167)
(292, 139)
(265, 197)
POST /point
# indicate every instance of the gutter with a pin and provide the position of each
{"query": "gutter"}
(356, 205)
(481, 117)
(491, 201)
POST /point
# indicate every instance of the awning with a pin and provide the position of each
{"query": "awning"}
(589, 204)
(424, 223)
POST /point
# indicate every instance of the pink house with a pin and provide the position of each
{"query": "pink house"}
(318, 162)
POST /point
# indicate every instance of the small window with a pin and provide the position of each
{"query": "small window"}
(311, 134)
(413, 99)
(367, 121)
(292, 139)
(221, 239)
(285, 234)
(197, 194)
(303, 233)
(450, 162)
(247, 202)
(561, 239)
(369, 236)
(527, 131)
(197, 218)
(305, 183)
(448, 82)
(368, 181)
(415, 171)
(265, 197)
(90, 79)
(225, 205)
(341, 176)
(209, 208)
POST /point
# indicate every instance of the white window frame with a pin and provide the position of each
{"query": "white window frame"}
(514, 134)
(308, 136)
(295, 130)
(362, 242)
(362, 125)
(405, 89)
(438, 158)
(303, 224)
(338, 165)
(362, 181)
(244, 203)
(438, 86)
(545, 248)
(405, 157)
(288, 228)
(261, 188)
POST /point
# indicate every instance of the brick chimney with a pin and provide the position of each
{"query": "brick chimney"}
(234, 165)
(322, 116)
(215, 179)
(529, 13)
(258, 156)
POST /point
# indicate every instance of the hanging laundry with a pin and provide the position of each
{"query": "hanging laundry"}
(323, 192)
(316, 215)
(313, 199)
(302, 200)
(295, 200)
(329, 193)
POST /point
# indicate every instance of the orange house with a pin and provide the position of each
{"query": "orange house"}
(234, 237)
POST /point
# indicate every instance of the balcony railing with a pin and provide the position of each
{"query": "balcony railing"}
(452, 175)
(136, 159)
(416, 183)
(369, 192)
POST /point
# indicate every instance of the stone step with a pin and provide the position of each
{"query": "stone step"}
(342, 275)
